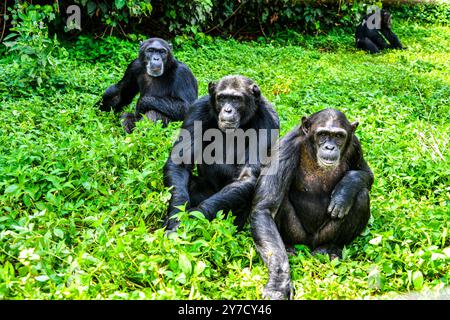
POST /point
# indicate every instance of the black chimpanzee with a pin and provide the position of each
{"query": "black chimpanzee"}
(319, 196)
(234, 109)
(167, 86)
(369, 33)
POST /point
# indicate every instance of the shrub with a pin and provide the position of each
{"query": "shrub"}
(36, 54)
(244, 19)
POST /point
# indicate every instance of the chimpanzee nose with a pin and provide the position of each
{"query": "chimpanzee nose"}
(156, 59)
(228, 109)
(329, 147)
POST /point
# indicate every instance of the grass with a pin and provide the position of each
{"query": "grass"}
(81, 202)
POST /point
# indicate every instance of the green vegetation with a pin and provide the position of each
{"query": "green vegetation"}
(245, 19)
(81, 202)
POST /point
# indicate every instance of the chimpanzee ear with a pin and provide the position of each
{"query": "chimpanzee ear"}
(354, 126)
(142, 46)
(305, 125)
(212, 88)
(170, 46)
(255, 90)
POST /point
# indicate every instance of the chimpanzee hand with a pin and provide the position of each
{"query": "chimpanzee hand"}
(272, 292)
(342, 200)
(171, 223)
(200, 209)
(128, 122)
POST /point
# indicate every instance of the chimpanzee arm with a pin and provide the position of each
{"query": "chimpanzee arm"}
(239, 191)
(367, 44)
(177, 173)
(232, 196)
(270, 191)
(359, 177)
(183, 94)
(121, 94)
(177, 176)
(173, 108)
(179, 166)
(375, 36)
(392, 38)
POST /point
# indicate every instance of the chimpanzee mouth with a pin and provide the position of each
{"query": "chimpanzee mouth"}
(324, 162)
(154, 71)
(227, 125)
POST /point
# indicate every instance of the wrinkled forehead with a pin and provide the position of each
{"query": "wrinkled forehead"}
(232, 85)
(332, 129)
(156, 44)
(331, 122)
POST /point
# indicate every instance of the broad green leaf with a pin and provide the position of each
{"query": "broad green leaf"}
(375, 279)
(376, 241)
(417, 279)
(199, 267)
(446, 251)
(185, 264)
(120, 4)
(59, 233)
(91, 6)
(12, 188)
(42, 278)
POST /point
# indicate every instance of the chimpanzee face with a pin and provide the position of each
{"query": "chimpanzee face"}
(386, 21)
(234, 101)
(155, 55)
(330, 131)
(229, 106)
(329, 141)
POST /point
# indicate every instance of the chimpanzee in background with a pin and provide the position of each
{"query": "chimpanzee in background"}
(167, 86)
(234, 104)
(369, 33)
(319, 196)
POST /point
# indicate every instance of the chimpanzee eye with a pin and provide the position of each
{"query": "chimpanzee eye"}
(340, 136)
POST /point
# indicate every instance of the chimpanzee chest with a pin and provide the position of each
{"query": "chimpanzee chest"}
(310, 196)
(222, 160)
(154, 85)
(223, 174)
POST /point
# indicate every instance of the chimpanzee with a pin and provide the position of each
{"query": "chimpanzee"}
(369, 33)
(234, 109)
(167, 86)
(319, 196)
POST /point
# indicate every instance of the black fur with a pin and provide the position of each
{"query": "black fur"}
(373, 40)
(218, 186)
(165, 97)
(305, 203)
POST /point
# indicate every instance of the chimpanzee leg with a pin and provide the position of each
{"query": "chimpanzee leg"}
(290, 227)
(272, 250)
(121, 94)
(199, 190)
(338, 232)
(367, 44)
(392, 38)
(155, 116)
(129, 120)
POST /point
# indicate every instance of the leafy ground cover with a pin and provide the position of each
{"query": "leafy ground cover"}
(81, 202)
